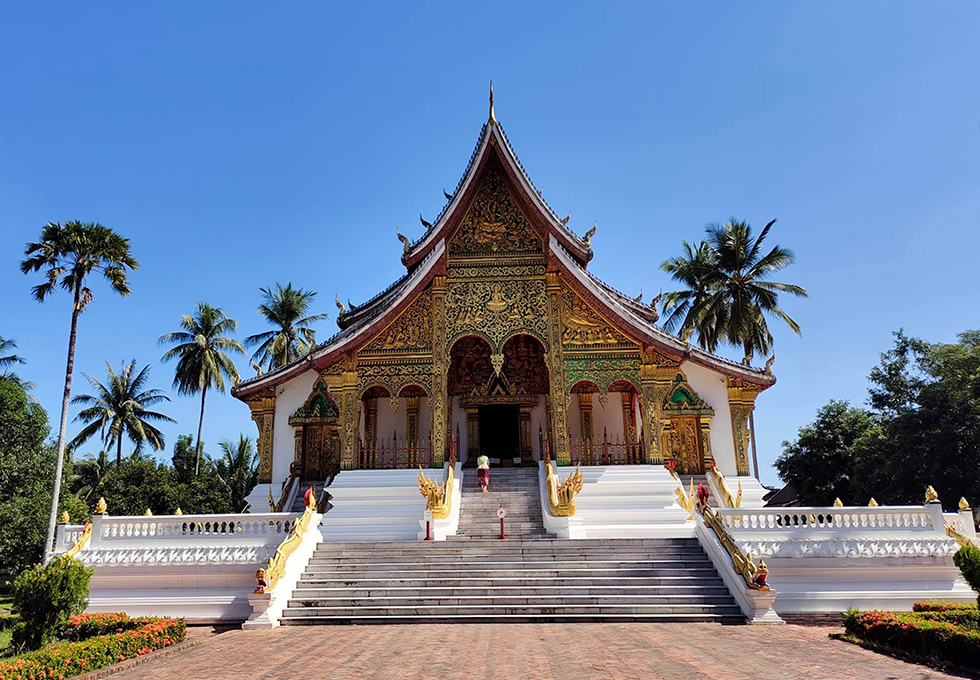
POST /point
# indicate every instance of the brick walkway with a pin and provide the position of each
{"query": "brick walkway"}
(515, 651)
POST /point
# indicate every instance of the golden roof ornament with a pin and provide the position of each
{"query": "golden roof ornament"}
(931, 495)
(448, 195)
(964, 505)
(340, 305)
(425, 223)
(178, 511)
(100, 507)
(769, 362)
(404, 239)
(686, 335)
(838, 503)
(872, 503)
(639, 298)
(587, 239)
(64, 519)
(147, 513)
(566, 218)
(493, 118)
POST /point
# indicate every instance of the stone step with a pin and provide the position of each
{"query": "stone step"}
(509, 600)
(511, 618)
(512, 564)
(525, 609)
(313, 581)
(616, 543)
(679, 592)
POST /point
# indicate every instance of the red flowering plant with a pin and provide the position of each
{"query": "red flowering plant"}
(918, 634)
(943, 606)
(74, 658)
(84, 626)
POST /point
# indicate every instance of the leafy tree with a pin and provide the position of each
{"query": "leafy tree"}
(121, 407)
(727, 293)
(238, 469)
(68, 254)
(26, 465)
(88, 472)
(287, 310)
(819, 463)
(183, 458)
(7, 360)
(202, 361)
(135, 486)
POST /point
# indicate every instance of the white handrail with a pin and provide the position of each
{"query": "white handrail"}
(251, 528)
(830, 519)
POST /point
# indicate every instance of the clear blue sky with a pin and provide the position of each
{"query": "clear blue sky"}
(239, 144)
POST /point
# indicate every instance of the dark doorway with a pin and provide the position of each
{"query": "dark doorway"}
(500, 435)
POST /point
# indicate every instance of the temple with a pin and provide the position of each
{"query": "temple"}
(497, 339)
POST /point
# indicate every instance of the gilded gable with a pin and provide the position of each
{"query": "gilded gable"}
(583, 328)
(410, 332)
(494, 224)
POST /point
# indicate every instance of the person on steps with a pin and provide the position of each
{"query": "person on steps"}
(483, 472)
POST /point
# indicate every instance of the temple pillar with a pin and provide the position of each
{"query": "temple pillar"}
(525, 426)
(440, 372)
(350, 413)
(705, 428)
(556, 373)
(741, 403)
(472, 431)
(263, 408)
(656, 372)
(629, 422)
(585, 416)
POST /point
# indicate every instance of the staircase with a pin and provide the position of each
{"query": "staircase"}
(514, 488)
(519, 580)
(299, 503)
(698, 479)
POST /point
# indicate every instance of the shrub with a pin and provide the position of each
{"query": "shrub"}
(75, 658)
(965, 618)
(967, 559)
(85, 626)
(46, 596)
(913, 634)
(8, 621)
(943, 606)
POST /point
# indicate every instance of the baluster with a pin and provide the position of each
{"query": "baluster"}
(394, 450)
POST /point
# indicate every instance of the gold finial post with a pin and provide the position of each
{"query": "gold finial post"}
(178, 511)
(64, 519)
(100, 507)
(493, 118)
(931, 495)
(872, 503)
(964, 504)
(148, 513)
(838, 503)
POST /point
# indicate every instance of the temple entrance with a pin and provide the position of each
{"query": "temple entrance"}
(686, 449)
(321, 452)
(500, 435)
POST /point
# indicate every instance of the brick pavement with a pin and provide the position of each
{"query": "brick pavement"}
(510, 651)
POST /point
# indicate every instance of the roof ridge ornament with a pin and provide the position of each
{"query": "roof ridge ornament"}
(587, 239)
(404, 239)
(493, 118)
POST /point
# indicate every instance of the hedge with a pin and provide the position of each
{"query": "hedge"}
(84, 626)
(943, 606)
(74, 658)
(913, 634)
(8, 621)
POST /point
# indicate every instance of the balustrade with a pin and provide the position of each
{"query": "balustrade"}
(390, 454)
(879, 519)
(261, 528)
(606, 451)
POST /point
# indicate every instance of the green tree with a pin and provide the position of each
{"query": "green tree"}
(727, 293)
(287, 309)
(7, 360)
(135, 486)
(26, 466)
(202, 360)
(184, 457)
(121, 406)
(238, 469)
(820, 461)
(68, 254)
(88, 472)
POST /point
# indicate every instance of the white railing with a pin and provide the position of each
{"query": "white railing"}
(831, 520)
(254, 528)
(67, 535)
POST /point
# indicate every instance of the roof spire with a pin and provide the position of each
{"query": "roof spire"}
(493, 119)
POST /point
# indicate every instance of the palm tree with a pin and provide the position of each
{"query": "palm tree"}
(69, 253)
(286, 309)
(7, 346)
(202, 362)
(238, 469)
(728, 293)
(120, 407)
(89, 472)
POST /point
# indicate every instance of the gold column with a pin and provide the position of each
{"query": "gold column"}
(263, 408)
(440, 371)
(556, 373)
(472, 431)
(629, 422)
(741, 403)
(370, 421)
(297, 447)
(585, 415)
(350, 412)
(706, 442)
(656, 372)
(526, 451)
(411, 421)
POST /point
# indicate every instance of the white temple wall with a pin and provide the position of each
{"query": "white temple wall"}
(289, 397)
(712, 387)
(390, 422)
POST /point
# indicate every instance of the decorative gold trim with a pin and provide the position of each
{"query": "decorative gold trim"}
(267, 578)
(726, 495)
(561, 496)
(438, 499)
(755, 576)
(82, 541)
(963, 540)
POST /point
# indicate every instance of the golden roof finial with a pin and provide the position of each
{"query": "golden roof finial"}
(340, 305)
(100, 507)
(587, 239)
(931, 495)
(493, 118)
(964, 504)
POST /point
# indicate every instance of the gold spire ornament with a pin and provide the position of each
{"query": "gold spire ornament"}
(838, 503)
(587, 239)
(872, 503)
(178, 511)
(406, 246)
(931, 495)
(100, 507)
(147, 513)
(964, 505)
(493, 118)
(64, 519)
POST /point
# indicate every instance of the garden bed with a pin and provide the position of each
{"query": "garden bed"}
(93, 641)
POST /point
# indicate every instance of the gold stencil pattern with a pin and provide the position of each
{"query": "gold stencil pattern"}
(494, 223)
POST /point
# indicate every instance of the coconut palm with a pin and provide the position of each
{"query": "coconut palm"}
(202, 362)
(728, 294)
(238, 469)
(121, 407)
(7, 346)
(285, 309)
(69, 253)
(89, 472)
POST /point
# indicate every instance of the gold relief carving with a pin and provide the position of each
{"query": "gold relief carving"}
(494, 223)
(559, 392)
(394, 375)
(584, 328)
(492, 271)
(741, 403)
(412, 330)
(394, 404)
(496, 310)
(263, 410)
(655, 384)
(440, 371)
(336, 368)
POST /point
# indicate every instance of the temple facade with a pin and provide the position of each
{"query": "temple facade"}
(499, 339)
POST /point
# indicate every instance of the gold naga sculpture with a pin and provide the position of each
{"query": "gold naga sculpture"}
(266, 579)
(404, 239)
(340, 305)
(587, 239)
(769, 362)
(561, 496)
(81, 542)
(438, 498)
(755, 575)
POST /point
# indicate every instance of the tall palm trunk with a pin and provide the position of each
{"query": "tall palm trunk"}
(200, 428)
(60, 461)
(119, 449)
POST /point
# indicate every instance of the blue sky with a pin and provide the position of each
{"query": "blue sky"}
(239, 144)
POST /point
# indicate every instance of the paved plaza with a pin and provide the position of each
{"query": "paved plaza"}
(511, 651)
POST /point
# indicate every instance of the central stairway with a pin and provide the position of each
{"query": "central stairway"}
(514, 488)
